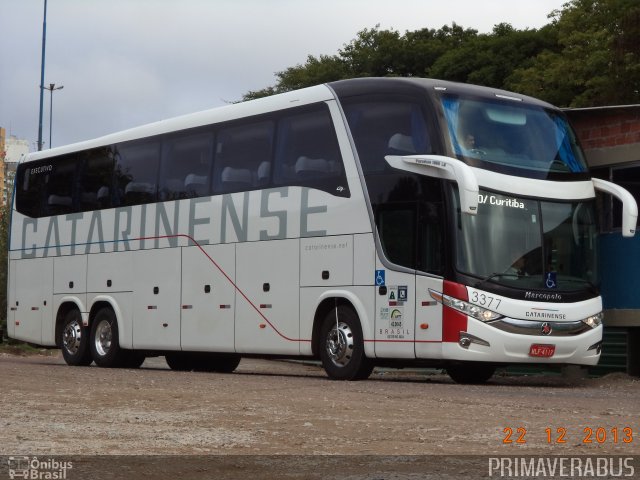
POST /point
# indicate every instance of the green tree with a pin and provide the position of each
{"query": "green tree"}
(589, 54)
(5, 212)
(597, 61)
(489, 59)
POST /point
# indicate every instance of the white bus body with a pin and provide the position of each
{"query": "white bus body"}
(260, 229)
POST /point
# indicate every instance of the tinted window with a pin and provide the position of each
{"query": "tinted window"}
(386, 127)
(243, 157)
(96, 180)
(136, 171)
(31, 186)
(396, 226)
(308, 152)
(186, 166)
(47, 188)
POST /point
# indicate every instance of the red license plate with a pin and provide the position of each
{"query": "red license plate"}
(545, 351)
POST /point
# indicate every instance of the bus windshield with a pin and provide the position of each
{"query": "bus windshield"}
(511, 137)
(528, 243)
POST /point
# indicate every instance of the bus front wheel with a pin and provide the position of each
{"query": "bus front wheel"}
(342, 346)
(105, 348)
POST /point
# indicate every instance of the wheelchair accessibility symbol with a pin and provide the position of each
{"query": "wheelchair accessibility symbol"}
(550, 282)
(379, 278)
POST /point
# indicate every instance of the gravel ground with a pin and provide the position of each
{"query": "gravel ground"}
(292, 410)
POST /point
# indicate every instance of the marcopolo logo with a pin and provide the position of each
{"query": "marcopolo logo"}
(36, 469)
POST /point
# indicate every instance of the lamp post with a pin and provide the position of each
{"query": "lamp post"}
(51, 88)
(44, 41)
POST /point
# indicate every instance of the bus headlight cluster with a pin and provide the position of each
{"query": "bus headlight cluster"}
(467, 308)
(594, 320)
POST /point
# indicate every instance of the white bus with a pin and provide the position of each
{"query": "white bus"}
(363, 222)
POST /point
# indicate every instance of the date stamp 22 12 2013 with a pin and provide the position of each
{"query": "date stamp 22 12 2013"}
(561, 435)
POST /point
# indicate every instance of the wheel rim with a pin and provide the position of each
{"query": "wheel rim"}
(339, 345)
(103, 337)
(72, 337)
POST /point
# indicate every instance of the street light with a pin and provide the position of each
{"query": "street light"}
(42, 87)
(51, 88)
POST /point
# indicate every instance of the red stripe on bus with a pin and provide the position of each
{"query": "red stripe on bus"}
(188, 237)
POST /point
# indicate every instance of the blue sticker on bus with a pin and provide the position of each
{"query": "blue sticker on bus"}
(402, 294)
(379, 278)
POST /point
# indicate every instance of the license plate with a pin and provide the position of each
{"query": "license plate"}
(544, 351)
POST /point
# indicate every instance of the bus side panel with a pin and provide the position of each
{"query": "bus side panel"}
(11, 299)
(428, 318)
(110, 279)
(70, 275)
(208, 298)
(395, 314)
(156, 297)
(34, 281)
(267, 310)
(364, 259)
(326, 261)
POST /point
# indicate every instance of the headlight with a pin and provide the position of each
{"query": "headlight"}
(461, 306)
(594, 320)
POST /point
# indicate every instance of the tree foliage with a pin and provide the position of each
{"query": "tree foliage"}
(589, 54)
(5, 211)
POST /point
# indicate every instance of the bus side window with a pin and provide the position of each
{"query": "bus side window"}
(136, 171)
(60, 187)
(96, 180)
(31, 191)
(396, 226)
(386, 127)
(243, 157)
(308, 153)
(186, 166)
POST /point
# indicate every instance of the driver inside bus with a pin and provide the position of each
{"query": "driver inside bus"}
(518, 267)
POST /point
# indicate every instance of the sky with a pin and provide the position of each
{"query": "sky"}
(124, 63)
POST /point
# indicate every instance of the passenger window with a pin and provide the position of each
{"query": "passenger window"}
(31, 193)
(186, 166)
(97, 179)
(136, 171)
(60, 187)
(308, 153)
(243, 157)
(386, 127)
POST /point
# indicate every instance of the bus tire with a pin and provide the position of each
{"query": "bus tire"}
(133, 359)
(342, 348)
(179, 361)
(216, 362)
(105, 348)
(74, 340)
(470, 373)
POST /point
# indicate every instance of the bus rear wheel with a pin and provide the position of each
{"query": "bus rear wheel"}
(105, 348)
(342, 346)
(470, 373)
(74, 340)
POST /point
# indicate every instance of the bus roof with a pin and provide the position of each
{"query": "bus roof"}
(281, 101)
(228, 112)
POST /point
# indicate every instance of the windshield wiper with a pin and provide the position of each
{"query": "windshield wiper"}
(493, 275)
